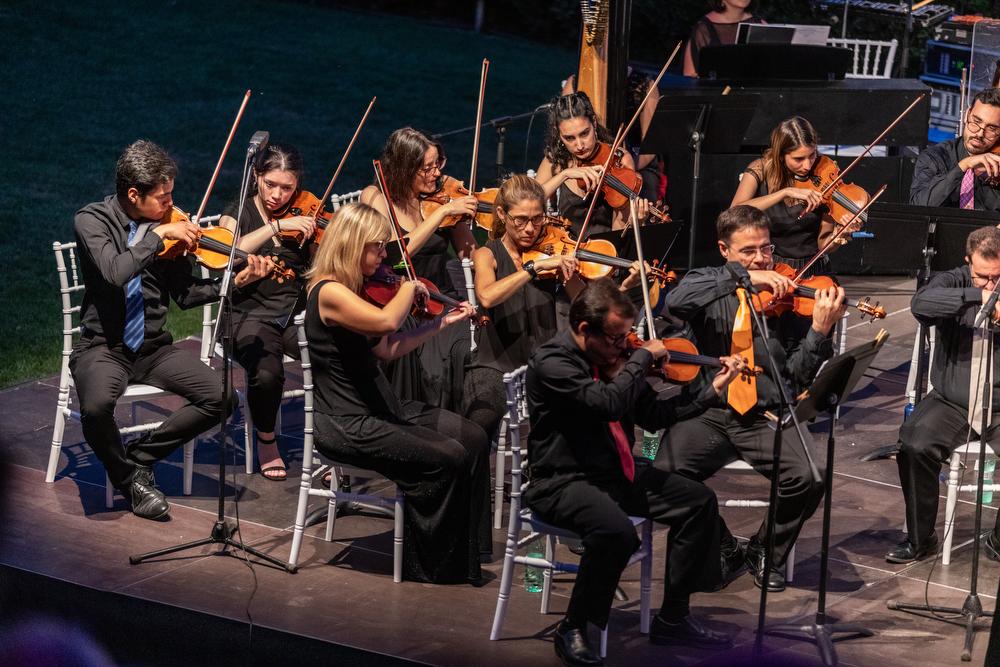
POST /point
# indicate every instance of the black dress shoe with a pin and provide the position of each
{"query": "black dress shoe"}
(733, 563)
(908, 552)
(148, 502)
(573, 647)
(991, 546)
(687, 632)
(755, 563)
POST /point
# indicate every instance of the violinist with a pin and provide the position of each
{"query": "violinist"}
(712, 302)
(123, 312)
(263, 327)
(964, 172)
(573, 138)
(716, 28)
(768, 184)
(439, 459)
(584, 396)
(413, 165)
(950, 415)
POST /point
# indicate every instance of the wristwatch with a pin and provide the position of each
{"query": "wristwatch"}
(530, 268)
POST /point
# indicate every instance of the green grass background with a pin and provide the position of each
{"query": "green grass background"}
(84, 79)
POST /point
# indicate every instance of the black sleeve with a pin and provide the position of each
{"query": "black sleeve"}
(945, 297)
(186, 289)
(653, 413)
(805, 356)
(934, 179)
(564, 382)
(117, 268)
(699, 288)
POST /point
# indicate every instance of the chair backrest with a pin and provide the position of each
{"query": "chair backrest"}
(70, 294)
(307, 383)
(873, 59)
(336, 201)
(470, 296)
(517, 424)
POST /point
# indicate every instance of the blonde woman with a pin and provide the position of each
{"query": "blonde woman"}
(439, 459)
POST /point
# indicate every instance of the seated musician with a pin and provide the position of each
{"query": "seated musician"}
(768, 184)
(124, 309)
(716, 308)
(573, 138)
(523, 306)
(263, 326)
(439, 459)
(584, 397)
(950, 415)
(716, 28)
(954, 173)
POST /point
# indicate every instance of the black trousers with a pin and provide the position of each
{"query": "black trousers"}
(259, 346)
(599, 513)
(484, 399)
(698, 447)
(934, 430)
(101, 375)
(442, 463)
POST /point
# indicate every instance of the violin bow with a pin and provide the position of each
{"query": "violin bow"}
(843, 172)
(479, 122)
(397, 230)
(222, 156)
(843, 227)
(343, 159)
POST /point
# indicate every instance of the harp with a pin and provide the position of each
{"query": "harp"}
(592, 75)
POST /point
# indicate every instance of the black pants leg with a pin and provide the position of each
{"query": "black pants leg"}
(934, 430)
(434, 463)
(259, 347)
(601, 517)
(180, 373)
(101, 376)
(484, 398)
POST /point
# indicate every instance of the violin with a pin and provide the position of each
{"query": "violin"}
(598, 257)
(802, 299)
(621, 183)
(308, 204)
(382, 287)
(683, 363)
(843, 199)
(213, 248)
(452, 188)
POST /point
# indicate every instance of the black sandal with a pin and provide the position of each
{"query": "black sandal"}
(274, 468)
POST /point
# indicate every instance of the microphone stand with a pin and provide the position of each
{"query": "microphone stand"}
(784, 407)
(222, 530)
(972, 609)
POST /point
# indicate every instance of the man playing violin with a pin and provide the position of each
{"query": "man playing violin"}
(585, 393)
(716, 307)
(962, 172)
(950, 415)
(124, 309)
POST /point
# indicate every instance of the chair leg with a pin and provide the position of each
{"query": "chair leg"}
(109, 492)
(58, 431)
(604, 642)
(397, 537)
(646, 578)
(790, 565)
(506, 576)
(949, 508)
(188, 466)
(305, 483)
(550, 550)
(499, 474)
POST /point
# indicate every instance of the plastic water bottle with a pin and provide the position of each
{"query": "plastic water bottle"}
(533, 575)
(989, 465)
(650, 445)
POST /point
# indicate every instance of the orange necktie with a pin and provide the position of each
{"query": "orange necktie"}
(743, 390)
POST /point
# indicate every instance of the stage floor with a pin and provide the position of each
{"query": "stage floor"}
(344, 594)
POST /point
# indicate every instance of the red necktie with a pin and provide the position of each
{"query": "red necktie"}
(621, 444)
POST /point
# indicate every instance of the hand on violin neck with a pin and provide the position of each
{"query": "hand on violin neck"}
(829, 308)
(731, 368)
(460, 314)
(182, 231)
(634, 277)
(256, 269)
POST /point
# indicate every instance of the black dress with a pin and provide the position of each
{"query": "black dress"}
(263, 330)
(574, 208)
(517, 327)
(439, 459)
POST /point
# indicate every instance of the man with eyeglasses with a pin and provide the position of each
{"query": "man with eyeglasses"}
(956, 173)
(586, 390)
(950, 415)
(715, 304)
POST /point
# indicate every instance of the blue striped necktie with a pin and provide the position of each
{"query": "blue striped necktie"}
(135, 307)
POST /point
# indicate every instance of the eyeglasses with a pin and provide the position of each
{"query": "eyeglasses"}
(616, 340)
(991, 131)
(379, 245)
(750, 253)
(520, 221)
(429, 168)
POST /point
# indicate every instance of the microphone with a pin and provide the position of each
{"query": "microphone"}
(740, 275)
(987, 308)
(258, 142)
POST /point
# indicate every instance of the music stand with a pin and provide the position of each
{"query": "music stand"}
(710, 123)
(787, 62)
(835, 382)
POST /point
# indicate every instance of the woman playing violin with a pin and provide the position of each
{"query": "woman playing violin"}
(439, 459)
(572, 140)
(768, 184)
(263, 327)
(413, 164)
(524, 307)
